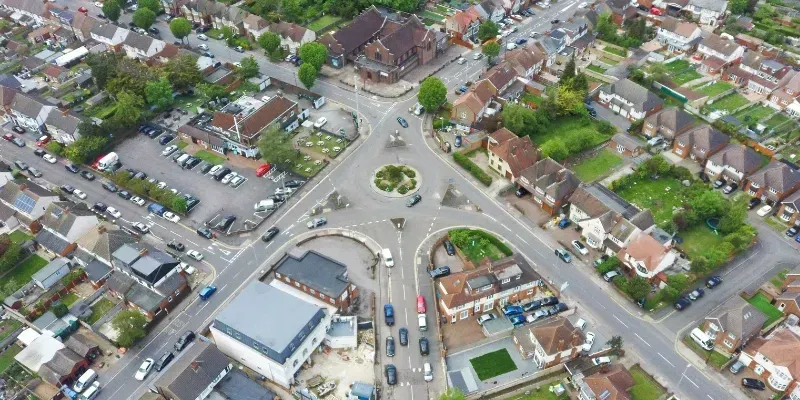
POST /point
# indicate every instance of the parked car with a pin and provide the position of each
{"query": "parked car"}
(18, 142)
(67, 189)
(21, 165)
(563, 254)
(35, 172)
(423, 346)
(486, 317)
(754, 202)
(137, 200)
(579, 247)
(388, 314)
(389, 346)
(736, 367)
(719, 183)
(403, 337)
(50, 158)
(113, 212)
(751, 383)
(532, 306)
(600, 260)
(601, 360)
(539, 314)
(207, 292)
(682, 304)
(144, 369)
(72, 168)
(764, 211)
(439, 272)
(317, 222)
(730, 188)
(184, 340)
(713, 282)
(588, 342)
(87, 175)
(510, 310)
(142, 228)
(427, 372)
(449, 248)
(564, 223)
(79, 194)
(518, 320)
(195, 255)
(558, 308)
(549, 301)
(321, 121)
(610, 275)
(100, 207)
(391, 374)
(696, 294)
(263, 169)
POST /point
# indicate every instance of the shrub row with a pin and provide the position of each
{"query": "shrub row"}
(144, 188)
(473, 168)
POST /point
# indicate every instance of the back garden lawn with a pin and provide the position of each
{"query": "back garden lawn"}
(653, 194)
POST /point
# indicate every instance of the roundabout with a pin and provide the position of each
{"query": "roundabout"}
(396, 180)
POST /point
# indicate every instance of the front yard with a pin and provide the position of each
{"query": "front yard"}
(763, 304)
(592, 168)
(698, 239)
(729, 103)
(661, 196)
(646, 388)
(493, 364)
(213, 158)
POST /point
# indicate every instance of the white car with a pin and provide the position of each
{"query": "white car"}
(79, 194)
(485, 317)
(138, 201)
(202, 46)
(161, 185)
(320, 122)
(195, 255)
(98, 4)
(171, 217)
(144, 369)
(477, 56)
(190, 270)
(587, 345)
(169, 150)
(213, 171)
(579, 247)
(284, 191)
(134, 7)
(227, 179)
(237, 64)
(142, 228)
(50, 158)
(582, 5)
(427, 372)
(202, 37)
(764, 211)
(462, 61)
(113, 212)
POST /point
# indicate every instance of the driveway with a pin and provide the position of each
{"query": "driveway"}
(608, 115)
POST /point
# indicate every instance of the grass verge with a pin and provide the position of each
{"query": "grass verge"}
(206, 155)
(646, 388)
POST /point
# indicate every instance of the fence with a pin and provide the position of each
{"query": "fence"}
(527, 380)
(598, 76)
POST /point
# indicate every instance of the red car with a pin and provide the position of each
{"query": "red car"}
(421, 305)
(43, 141)
(83, 10)
(263, 170)
(8, 136)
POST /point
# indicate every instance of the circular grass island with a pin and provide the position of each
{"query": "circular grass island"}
(396, 180)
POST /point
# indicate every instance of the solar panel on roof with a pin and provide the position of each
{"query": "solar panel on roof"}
(606, 394)
(24, 203)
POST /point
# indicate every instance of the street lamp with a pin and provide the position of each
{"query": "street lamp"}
(683, 374)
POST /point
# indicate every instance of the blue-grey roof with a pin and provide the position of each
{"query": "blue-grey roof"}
(50, 269)
(194, 370)
(316, 271)
(51, 242)
(269, 316)
(97, 270)
(237, 385)
(128, 253)
(362, 390)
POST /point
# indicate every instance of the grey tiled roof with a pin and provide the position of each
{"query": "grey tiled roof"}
(739, 157)
(641, 98)
(316, 271)
(27, 105)
(137, 41)
(144, 298)
(97, 270)
(61, 365)
(51, 241)
(776, 175)
(629, 142)
(720, 44)
(237, 385)
(704, 137)
(80, 344)
(65, 122)
(739, 317)
(194, 371)
(105, 30)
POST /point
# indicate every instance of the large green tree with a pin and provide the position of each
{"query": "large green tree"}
(249, 67)
(112, 10)
(313, 53)
(210, 91)
(85, 148)
(556, 149)
(491, 50)
(152, 5)
(180, 28)
(307, 75)
(182, 71)
(269, 41)
(276, 148)
(130, 326)
(488, 30)
(265, 7)
(159, 93)
(432, 93)
(103, 67)
(129, 108)
(637, 287)
(144, 18)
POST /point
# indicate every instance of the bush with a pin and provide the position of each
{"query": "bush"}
(402, 189)
(412, 184)
(463, 237)
(380, 174)
(59, 309)
(409, 172)
(473, 168)
(55, 148)
(378, 182)
(608, 265)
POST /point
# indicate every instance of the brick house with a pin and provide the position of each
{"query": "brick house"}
(646, 257)
(397, 50)
(764, 75)
(735, 163)
(773, 183)
(509, 154)
(319, 276)
(776, 359)
(718, 54)
(788, 210)
(472, 105)
(492, 284)
(667, 123)
(613, 383)
(62, 224)
(549, 183)
(679, 36)
(699, 143)
(733, 324)
(625, 145)
(630, 99)
(464, 24)
(621, 11)
(292, 35)
(786, 96)
(551, 343)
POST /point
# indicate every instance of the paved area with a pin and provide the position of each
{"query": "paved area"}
(464, 333)
(441, 258)
(343, 367)
(606, 114)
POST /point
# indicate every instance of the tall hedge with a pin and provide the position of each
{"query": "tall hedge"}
(473, 168)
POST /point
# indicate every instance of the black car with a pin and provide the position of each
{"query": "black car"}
(165, 359)
(753, 384)
(413, 200)
(177, 246)
(293, 183)
(192, 163)
(154, 30)
(560, 307)
(448, 246)
(203, 29)
(388, 314)
(124, 194)
(18, 129)
(754, 202)
(269, 234)
(403, 337)
(87, 175)
(713, 282)
(205, 232)
(184, 340)
(549, 301)
(402, 122)
(423, 346)
(389, 346)
(730, 188)
(221, 174)
(100, 206)
(35, 172)
(21, 165)
(391, 374)
(165, 139)
(206, 167)
(39, 152)
(226, 223)
(532, 306)
(110, 187)
(67, 189)
(792, 231)
(72, 168)
(521, 192)
(719, 183)
(682, 304)
(555, 21)
(439, 272)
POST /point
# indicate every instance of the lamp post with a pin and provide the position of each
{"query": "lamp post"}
(683, 375)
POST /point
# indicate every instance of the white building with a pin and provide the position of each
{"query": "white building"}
(110, 35)
(141, 46)
(677, 35)
(630, 99)
(710, 12)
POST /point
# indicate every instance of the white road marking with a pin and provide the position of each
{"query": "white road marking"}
(687, 378)
(620, 321)
(665, 359)
(640, 338)
(192, 242)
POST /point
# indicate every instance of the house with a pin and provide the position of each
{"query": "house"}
(63, 225)
(789, 207)
(41, 34)
(492, 284)
(101, 242)
(773, 183)
(141, 47)
(153, 302)
(733, 324)
(551, 343)
(110, 35)
(607, 221)
(348, 42)
(255, 26)
(28, 199)
(52, 273)
(630, 99)
(509, 154)
(52, 360)
(195, 374)
(612, 383)
(82, 345)
(275, 351)
(35, 12)
(718, 53)
(786, 96)
(750, 42)
(319, 276)
(216, 14)
(62, 126)
(551, 46)
(776, 359)
(679, 36)
(709, 12)
(735, 162)
(464, 24)
(237, 127)
(622, 11)
(764, 75)
(788, 301)
(397, 50)
(56, 74)
(699, 143)
(626, 145)
(168, 52)
(29, 112)
(78, 23)
(144, 263)
(473, 105)
(667, 123)
(526, 61)
(549, 183)
(292, 35)
(97, 272)
(646, 256)
(8, 219)
(503, 76)
(490, 10)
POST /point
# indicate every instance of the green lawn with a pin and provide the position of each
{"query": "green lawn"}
(730, 102)
(646, 388)
(751, 115)
(652, 194)
(698, 239)
(7, 358)
(7, 327)
(103, 110)
(715, 88)
(777, 281)
(307, 168)
(322, 22)
(328, 142)
(181, 144)
(99, 309)
(206, 155)
(431, 15)
(531, 98)
(677, 65)
(477, 244)
(70, 299)
(685, 76)
(493, 364)
(761, 302)
(596, 68)
(592, 168)
(568, 127)
(609, 61)
(690, 343)
(542, 394)
(717, 359)
(24, 271)
(615, 51)
(188, 103)
(19, 236)
(776, 120)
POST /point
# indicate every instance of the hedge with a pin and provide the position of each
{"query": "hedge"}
(473, 168)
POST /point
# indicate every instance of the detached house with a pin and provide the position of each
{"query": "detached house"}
(733, 324)
(773, 183)
(549, 183)
(735, 163)
(699, 143)
(464, 24)
(646, 257)
(718, 53)
(630, 99)
(398, 49)
(495, 284)
(709, 12)
(677, 35)
(613, 383)
(473, 105)
(786, 96)
(141, 47)
(667, 123)
(776, 359)
(509, 154)
(292, 35)
(551, 343)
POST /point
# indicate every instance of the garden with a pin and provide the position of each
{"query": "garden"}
(729, 103)
(685, 76)
(23, 273)
(616, 51)
(596, 68)
(595, 167)
(19, 236)
(493, 364)
(714, 88)
(323, 22)
(400, 178)
(208, 156)
(677, 66)
(763, 304)
(477, 244)
(99, 309)
(578, 134)
(323, 144)
(646, 388)
(751, 115)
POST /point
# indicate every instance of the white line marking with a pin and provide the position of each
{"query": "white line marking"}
(665, 359)
(640, 338)
(687, 378)
(620, 321)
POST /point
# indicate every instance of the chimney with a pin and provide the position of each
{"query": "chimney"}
(101, 229)
(560, 345)
(195, 366)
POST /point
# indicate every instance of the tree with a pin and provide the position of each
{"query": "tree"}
(276, 148)
(307, 75)
(59, 309)
(103, 66)
(182, 71)
(608, 265)
(264, 7)
(488, 30)
(615, 343)
(269, 41)
(491, 50)
(180, 27)
(313, 53)
(637, 287)
(55, 147)
(227, 33)
(87, 127)
(516, 118)
(152, 5)
(210, 91)
(129, 108)
(568, 101)
(734, 218)
(569, 71)
(452, 394)
(85, 148)
(112, 10)
(292, 10)
(709, 203)
(130, 326)
(678, 282)
(555, 149)
(432, 93)
(144, 18)
(249, 67)
(159, 93)
(657, 72)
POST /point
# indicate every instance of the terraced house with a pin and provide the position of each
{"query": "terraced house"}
(218, 15)
(764, 75)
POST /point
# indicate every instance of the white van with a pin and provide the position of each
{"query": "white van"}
(265, 205)
(387, 257)
(702, 339)
(423, 322)
(91, 392)
(182, 159)
(85, 380)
